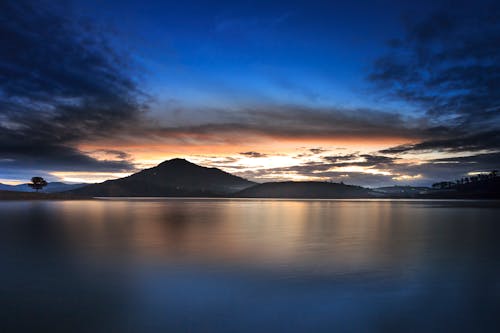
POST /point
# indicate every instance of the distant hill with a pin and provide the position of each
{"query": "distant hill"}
(172, 178)
(306, 190)
(181, 178)
(485, 187)
(53, 187)
(404, 191)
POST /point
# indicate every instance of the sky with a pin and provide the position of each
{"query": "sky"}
(371, 93)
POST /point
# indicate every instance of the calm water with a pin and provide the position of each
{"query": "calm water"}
(199, 265)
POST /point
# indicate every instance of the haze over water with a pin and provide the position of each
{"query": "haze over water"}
(216, 265)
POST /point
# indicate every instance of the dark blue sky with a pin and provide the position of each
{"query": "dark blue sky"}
(365, 92)
(310, 52)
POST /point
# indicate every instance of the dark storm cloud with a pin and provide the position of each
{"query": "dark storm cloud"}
(61, 82)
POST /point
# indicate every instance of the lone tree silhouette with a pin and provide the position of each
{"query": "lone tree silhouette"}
(37, 183)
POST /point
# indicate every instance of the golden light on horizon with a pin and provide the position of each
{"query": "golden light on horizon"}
(407, 177)
(273, 159)
(12, 181)
(88, 177)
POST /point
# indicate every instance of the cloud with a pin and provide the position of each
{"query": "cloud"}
(448, 64)
(332, 168)
(253, 154)
(318, 172)
(450, 168)
(486, 162)
(487, 140)
(317, 151)
(116, 154)
(364, 160)
(340, 158)
(291, 122)
(61, 82)
(375, 170)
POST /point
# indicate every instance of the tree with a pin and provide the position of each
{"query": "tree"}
(440, 185)
(37, 183)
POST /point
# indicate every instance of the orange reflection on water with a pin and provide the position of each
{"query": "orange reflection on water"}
(318, 234)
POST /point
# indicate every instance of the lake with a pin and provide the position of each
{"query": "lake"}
(220, 265)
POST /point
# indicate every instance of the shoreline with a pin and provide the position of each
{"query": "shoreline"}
(27, 196)
(33, 196)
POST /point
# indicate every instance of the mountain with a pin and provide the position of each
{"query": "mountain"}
(306, 190)
(172, 178)
(54, 187)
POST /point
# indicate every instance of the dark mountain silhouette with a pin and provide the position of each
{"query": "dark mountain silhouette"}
(306, 190)
(53, 187)
(172, 178)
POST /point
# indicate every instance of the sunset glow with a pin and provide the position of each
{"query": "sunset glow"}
(274, 91)
(229, 166)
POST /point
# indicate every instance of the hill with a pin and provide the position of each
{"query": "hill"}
(53, 187)
(403, 191)
(484, 187)
(306, 190)
(172, 178)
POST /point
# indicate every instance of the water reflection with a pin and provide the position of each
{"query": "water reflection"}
(249, 265)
